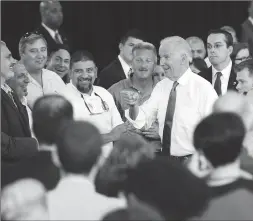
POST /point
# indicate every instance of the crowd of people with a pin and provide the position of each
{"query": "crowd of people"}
(161, 134)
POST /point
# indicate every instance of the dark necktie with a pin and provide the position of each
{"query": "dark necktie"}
(169, 119)
(57, 38)
(217, 84)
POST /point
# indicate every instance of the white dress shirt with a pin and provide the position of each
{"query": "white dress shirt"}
(195, 98)
(224, 78)
(125, 66)
(75, 198)
(52, 84)
(52, 32)
(105, 121)
(208, 63)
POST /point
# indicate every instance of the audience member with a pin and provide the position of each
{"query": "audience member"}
(219, 49)
(33, 53)
(195, 98)
(219, 141)
(16, 141)
(198, 48)
(59, 62)
(93, 103)
(167, 187)
(232, 31)
(127, 153)
(51, 21)
(247, 28)
(79, 148)
(240, 53)
(24, 199)
(159, 73)
(120, 68)
(197, 65)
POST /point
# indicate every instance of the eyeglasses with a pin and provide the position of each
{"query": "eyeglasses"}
(89, 107)
(28, 34)
(243, 58)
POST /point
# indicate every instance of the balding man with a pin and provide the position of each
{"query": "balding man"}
(198, 48)
(185, 93)
(52, 18)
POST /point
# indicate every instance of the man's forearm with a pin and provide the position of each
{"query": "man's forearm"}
(133, 111)
(107, 138)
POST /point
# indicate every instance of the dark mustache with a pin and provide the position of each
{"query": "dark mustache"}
(84, 79)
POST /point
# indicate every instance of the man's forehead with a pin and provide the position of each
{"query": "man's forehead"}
(62, 53)
(215, 38)
(143, 52)
(133, 40)
(83, 64)
(197, 45)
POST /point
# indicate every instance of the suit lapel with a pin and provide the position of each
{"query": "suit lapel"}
(8, 100)
(249, 24)
(209, 76)
(232, 82)
(120, 69)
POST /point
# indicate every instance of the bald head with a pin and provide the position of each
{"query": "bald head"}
(197, 47)
(24, 199)
(51, 14)
(235, 103)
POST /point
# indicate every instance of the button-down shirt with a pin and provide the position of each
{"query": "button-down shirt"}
(52, 32)
(105, 121)
(195, 98)
(125, 66)
(52, 84)
(224, 78)
(75, 198)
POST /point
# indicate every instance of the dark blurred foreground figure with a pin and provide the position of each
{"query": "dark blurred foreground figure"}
(166, 187)
(24, 199)
(198, 65)
(79, 149)
(218, 140)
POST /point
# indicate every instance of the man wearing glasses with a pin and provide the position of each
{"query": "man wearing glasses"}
(93, 103)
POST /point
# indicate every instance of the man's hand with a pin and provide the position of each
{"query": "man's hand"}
(152, 132)
(129, 97)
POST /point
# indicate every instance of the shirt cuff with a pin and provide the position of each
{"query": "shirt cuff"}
(139, 122)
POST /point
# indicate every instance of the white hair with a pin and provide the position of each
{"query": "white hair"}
(180, 45)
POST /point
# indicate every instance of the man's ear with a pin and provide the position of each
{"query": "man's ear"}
(230, 49)
(120, 46)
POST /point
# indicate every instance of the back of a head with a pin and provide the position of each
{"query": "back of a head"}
(194, 40)
(200, 64)
(168, 187)
(220, 137)
(49, 112)
(24, 199)
(79, 147)
(133, 33)
(238, 47)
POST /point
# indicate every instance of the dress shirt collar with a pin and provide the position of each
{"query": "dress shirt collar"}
(6, 88)
(79, 92)
(183, 80)
(225, 72)
(50, 31)
(251, 20)
(125, 66)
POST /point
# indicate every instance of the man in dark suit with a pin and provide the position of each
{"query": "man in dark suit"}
(52, 18)
(16, 141)
(120, 68)
(219, 49)
(247, 29)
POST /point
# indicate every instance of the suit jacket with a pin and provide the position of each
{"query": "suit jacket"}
(247, 34)
(111, 74)
(232, 83)
(51, 44)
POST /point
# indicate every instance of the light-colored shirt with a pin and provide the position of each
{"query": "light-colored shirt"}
(52, 32)
(75, 198)
(224, 78)
(251, 20)
(29, 113)
(195, 98)
(208, 63)
(106, 120)
(125, 66)
(52, 84)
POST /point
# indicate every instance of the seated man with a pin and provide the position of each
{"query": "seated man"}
(59, 62)
(79, 149)
(24, 200)
(141, 82)
(219, 142)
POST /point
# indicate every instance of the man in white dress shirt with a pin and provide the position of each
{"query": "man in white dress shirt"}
(194, 100)
(93, 103)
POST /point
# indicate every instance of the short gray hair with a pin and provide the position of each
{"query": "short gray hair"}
(29, 40)
(145, 46)
(181, 45)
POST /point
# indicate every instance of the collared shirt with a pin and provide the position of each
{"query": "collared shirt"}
(52, 32)
(127, 84)
(251, 20)
(125, 66)
(75, 198)
(195, 98)
(52, 84)
(105, 121)
(224, 78)
(208, 63)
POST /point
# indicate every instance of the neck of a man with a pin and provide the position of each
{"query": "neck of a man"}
(225, 174)
(223, 65)
(142, 83)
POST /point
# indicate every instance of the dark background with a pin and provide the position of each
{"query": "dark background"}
(98, 26)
